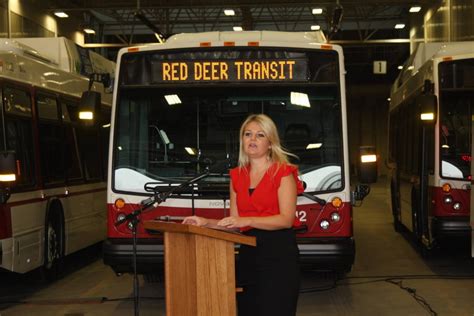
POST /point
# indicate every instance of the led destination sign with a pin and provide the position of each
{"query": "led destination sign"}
(228, 66)
(232, 71)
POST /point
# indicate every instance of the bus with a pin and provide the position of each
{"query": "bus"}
(176, 115)
(55, 203)
(430, 144)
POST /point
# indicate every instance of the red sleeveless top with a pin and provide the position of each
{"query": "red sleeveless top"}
(264, 199)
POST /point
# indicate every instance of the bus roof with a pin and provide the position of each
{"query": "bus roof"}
(54, 63)
(244, 38)
(418, 67)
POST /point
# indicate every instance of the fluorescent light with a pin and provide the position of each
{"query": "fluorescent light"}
(445, 146)
(427, 116)
(316, 11)
(238, 28)
(7, 177)
(163, 134)
(229, 12)
(415, 9)
(314, 146)
(400, 67)
(61, 14)
(86, 115)
(368, 158)
(400, 26)
(190, 151)
(301, 99)
(89, 31)
(106, 125)
(315, 27)
(172, 99)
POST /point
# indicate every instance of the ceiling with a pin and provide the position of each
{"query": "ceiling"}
(366, 28)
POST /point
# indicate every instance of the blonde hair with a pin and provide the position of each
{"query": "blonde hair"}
(277, 153)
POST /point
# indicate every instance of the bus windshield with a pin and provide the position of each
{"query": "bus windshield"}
(168, 134)
(456, 110)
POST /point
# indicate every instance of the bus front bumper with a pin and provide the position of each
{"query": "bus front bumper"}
(118, 254)
(447, 227)
(325, 254)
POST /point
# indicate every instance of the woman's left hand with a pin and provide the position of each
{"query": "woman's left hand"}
(234, 222)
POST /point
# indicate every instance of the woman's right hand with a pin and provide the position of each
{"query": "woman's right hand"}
(195, 220)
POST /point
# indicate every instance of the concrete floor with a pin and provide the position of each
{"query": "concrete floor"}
(381, 255)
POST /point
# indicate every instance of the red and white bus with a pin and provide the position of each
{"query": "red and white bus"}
(177, 111)
(430, 143)
(56, 205)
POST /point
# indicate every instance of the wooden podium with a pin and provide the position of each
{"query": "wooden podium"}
(199, 269)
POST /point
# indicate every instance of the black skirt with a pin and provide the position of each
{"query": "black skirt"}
(269, 274)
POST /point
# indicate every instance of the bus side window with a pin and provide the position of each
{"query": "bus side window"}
(71, 150)
(51, 139)
(19, 134)
(88, 142)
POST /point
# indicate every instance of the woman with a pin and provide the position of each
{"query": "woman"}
(263, 194)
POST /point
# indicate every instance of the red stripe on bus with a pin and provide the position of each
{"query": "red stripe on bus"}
(35, 200)
(5, 222)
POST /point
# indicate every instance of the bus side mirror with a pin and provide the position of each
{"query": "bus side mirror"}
(427, 104)
(360, 192)
(367, 165)
(89, 105)
(7, 174)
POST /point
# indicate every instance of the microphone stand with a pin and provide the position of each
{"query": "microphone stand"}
(146, 204)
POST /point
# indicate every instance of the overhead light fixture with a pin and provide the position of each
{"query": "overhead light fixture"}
(389, 99)
(89, 31)
(191, 151)
(61, 14)
(301, 99)
(229, 12)
(315, 27)
(238, 28)
(314, 146)
(400, 26)
(317, 11)
(172, 99)
(415, 9)
(400, 67)
(159, 38)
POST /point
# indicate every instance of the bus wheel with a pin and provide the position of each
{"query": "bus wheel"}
(53, 247)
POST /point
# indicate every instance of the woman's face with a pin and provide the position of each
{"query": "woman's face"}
(255, 141)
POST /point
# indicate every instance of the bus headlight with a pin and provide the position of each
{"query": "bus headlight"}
(324, 224)
(335, 217)
(448, 199)
(457, 206)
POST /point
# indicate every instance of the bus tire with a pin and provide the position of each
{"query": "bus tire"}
(53, 242)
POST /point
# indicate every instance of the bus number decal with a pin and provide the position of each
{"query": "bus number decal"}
(301, 216)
